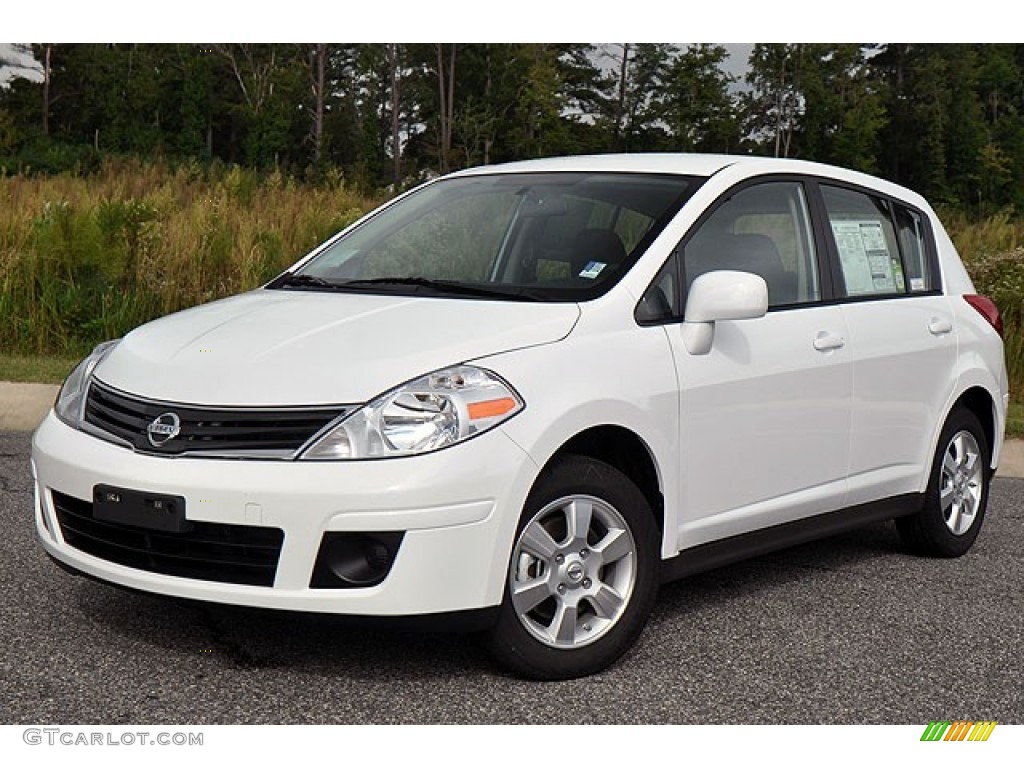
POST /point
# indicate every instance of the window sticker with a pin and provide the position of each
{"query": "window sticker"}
(868, 267)
(592, 269)
(917, 283)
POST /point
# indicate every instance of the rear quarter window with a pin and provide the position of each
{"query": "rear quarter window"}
(913, 240)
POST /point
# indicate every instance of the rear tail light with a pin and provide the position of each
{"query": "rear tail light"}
(987, 309)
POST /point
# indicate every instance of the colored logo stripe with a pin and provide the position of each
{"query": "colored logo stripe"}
(958, 730)
(982, 731)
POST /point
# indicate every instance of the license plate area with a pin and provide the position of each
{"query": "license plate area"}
(153, 511)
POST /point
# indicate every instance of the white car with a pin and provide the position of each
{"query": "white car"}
(523, 396)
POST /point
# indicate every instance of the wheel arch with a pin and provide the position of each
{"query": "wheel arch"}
(629, 453)
(976, 395)
(980, 402)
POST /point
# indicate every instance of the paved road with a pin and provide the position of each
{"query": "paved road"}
(850, 630)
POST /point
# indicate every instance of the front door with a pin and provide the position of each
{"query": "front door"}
(765, 415)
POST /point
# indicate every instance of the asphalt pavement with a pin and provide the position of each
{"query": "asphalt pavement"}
(847, 630)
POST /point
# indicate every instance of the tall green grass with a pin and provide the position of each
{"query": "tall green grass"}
(88, 258)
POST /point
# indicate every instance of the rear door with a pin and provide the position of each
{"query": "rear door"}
(901, 332)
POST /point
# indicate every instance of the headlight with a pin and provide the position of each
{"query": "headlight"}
(70, 405)
(433, 412)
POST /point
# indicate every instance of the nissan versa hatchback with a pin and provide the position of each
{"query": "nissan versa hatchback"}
(523, 396)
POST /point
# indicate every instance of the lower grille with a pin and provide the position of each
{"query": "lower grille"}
(236, 554)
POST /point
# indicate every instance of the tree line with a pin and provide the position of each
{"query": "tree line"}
(945, 119)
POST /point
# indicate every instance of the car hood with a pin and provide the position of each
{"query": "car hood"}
(271, 347)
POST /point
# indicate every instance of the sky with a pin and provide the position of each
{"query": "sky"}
(738, 54)
(17, 63)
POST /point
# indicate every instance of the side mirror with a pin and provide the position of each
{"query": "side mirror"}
(721, 295)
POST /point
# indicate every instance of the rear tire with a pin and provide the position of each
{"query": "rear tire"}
(583, 574)
(957, 493)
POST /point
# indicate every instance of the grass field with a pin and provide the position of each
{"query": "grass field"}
(45, 369)
(84, 259)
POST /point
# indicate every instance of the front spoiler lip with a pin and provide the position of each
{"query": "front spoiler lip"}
(468, 620)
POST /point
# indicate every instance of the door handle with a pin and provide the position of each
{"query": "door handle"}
(939, 325)
(826, 341)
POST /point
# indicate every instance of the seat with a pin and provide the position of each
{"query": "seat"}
(744, 253)
(600, 245)
(764, 259)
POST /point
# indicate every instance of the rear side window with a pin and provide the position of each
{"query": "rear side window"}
(865, 239)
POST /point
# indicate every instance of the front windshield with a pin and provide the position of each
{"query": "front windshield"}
(541, 236)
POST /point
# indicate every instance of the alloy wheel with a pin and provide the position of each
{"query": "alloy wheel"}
(960, 482)
(573, 571)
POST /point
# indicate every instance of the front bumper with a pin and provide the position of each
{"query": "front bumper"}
(458, 509)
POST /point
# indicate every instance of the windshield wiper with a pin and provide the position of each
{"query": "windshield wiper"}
(301, 281)
(289, 280)
(445, 286)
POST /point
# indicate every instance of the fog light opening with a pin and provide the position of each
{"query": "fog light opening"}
(352, 560)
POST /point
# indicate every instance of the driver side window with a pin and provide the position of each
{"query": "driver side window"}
(763, 229)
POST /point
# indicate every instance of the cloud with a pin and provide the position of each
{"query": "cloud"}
(16, 60)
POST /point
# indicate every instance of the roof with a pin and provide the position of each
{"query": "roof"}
(640, 162)
(694, 165)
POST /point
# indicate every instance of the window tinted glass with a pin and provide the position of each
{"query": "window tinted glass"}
(661, 300)
(763, 229)
(865, 241)
(910, 229)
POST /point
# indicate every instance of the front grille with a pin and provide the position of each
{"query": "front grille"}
(218, 431)
(237, 554)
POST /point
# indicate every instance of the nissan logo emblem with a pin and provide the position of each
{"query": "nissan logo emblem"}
(163, 428)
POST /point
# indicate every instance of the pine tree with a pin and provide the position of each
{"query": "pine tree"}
(695, 102)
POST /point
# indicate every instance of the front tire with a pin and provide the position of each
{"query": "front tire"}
(583, 574)
(957, 493)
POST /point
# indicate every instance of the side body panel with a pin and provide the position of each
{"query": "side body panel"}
(904, 372)
(765, 419)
